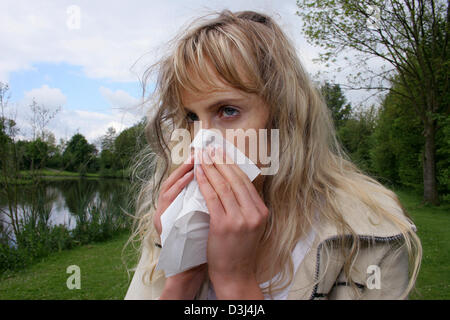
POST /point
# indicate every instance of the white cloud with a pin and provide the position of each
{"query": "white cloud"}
(118, 98)
(112, 35)
(91, 124)
(67, 122)
(50, 97)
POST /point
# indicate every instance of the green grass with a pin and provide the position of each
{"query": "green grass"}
(103, 275)
(433, 229)
(55, 173)
(25, 176)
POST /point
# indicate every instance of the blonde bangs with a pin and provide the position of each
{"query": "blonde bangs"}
(214, 50)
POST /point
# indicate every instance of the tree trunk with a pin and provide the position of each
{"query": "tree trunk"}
(430, 193)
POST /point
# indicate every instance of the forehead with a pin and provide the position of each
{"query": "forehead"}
(193, 100)
(208, 93)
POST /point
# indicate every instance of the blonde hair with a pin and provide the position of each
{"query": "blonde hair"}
(313, 168)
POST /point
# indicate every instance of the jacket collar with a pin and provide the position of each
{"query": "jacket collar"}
(363, 221)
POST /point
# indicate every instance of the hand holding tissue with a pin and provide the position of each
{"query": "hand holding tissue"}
(185, 223)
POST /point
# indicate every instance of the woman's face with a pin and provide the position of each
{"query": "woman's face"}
(225, 108)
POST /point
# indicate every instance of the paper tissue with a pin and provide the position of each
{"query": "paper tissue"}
(185, 223)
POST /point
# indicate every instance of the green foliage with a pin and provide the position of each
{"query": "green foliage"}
(128, 143)
(397, 151)
(34, 154)
(354, 129)
(443, 155)
(36, 239)
(107, 159)
(118, 151)
(336, 102)
(103, 273)
(411, 38)
(355, 135)
(79, 154)
(33, 242)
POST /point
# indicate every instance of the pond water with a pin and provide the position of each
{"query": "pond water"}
(63, 200)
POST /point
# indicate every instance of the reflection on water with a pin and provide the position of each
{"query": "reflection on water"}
(65, 201)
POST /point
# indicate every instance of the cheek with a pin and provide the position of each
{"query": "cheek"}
(261, 145)
(252, 141)
(247, 139)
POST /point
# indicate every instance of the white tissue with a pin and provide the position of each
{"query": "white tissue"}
(185, 223)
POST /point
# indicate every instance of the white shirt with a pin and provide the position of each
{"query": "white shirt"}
(298, 253)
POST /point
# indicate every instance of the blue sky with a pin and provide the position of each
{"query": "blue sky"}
(104, 101)
(82, 92)
(87, 56)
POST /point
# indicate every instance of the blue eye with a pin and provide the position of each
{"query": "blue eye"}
(230, 112)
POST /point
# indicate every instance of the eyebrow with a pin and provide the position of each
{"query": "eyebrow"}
(218, 103)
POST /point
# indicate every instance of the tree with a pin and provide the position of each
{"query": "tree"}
(355, 135)
(34, 154)
(40, 117)
(398, 143)
(128, 143)
(107, 155)
(8, 162)
(8, 133)
(79, 154)
(336, 102)
(410, 36)
(107, 140)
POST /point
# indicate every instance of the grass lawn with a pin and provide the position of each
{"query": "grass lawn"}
(103, 275)
(25, 176)
(433, 228)
(56, 173)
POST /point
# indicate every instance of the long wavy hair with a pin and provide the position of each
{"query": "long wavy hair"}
(314, 171)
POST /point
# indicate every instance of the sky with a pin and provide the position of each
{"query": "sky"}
(87, 57)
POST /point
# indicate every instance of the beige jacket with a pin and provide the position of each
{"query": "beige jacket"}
(380, 274)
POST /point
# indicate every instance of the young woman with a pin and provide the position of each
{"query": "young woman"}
(318, 228)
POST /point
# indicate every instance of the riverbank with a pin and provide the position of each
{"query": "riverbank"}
(26, 176)
(103, 276)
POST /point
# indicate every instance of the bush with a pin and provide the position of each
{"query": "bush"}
(37, 240)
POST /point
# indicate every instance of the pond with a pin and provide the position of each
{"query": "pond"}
(66, 202)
